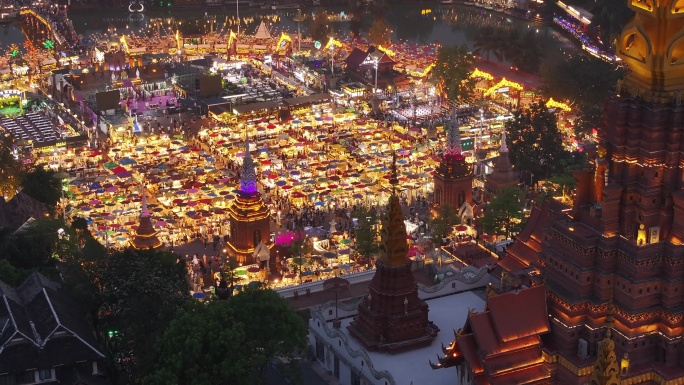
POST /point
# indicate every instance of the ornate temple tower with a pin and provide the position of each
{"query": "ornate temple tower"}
(145, 235)
(250, 220)
(392, 318)
(621, 244)
(503, 175)
(453, 178)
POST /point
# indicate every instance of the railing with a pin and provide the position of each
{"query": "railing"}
(316, 316)
(317, 286)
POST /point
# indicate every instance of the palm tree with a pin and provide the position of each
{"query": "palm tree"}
(523, 50)
(489, 40)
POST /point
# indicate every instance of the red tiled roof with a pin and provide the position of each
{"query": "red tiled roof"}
(529, 375)
(524, 254)
(488, 341)
(468, 347)
(519, 314)
(356, 57)
(520, 358)
(511, 264)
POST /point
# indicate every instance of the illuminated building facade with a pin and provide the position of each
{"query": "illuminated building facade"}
(392, 318)
(250, 221)
(618, 252)
(453, 177)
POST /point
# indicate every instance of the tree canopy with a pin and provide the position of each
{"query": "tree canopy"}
(583, 80)
(10, 168)
(522, 49)
(380, 32)
(318, 26)
(504, 214)
(442, 220)
(227, 342)
(37, 244)
(534, 142)
(42, 185)
(452, 70)
(366, 232)
(611, 16)
(135, 292)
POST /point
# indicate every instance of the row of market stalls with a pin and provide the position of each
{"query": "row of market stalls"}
(227, 112)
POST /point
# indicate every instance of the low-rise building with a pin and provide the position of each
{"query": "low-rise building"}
(44, 337)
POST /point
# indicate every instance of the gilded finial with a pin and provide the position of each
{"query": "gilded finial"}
(601, 150)
(393, 177)
(606, 368)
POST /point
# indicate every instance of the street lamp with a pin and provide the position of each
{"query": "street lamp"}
(375, 64)
(299, 18)
(237, 6)
(62, 176)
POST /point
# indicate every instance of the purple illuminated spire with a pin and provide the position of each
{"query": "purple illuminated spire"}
(248, 184)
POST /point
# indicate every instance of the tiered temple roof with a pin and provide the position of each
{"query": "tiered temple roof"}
(489, 341)
(503, 175)
(249, 216)
(145, 235)
(393, 318)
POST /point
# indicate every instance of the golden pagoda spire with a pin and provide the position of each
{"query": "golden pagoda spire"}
(606, 368)
(394, 248)
(652, 46)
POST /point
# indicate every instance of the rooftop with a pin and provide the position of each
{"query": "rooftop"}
(448, 313)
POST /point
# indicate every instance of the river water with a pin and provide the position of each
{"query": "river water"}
(443, 24)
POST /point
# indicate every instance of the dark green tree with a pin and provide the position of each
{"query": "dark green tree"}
(300, 248)
(488, 40)
(504, 214)
(442, 221)
(380, 32)
(585, 81)
(356, 9)
(524, 50)
(452, 70)
(202, 346)
(42, 185)
(318, 26)
(273, 328)
(589, 119)
(228, 342)
(366, 232)
(39, 244)
(10, 274)
(534, 142)
(140, 292)
(610, 16)
(10, 167)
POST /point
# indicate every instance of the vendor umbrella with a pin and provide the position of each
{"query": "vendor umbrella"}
(330, 255)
